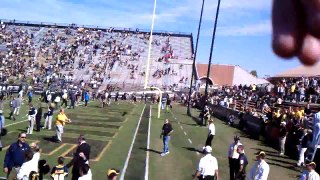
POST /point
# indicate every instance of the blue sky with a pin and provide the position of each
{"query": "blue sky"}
(243, 34)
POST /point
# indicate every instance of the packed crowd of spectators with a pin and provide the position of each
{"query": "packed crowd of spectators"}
(71, 54)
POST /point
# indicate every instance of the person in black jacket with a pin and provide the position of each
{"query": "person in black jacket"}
(282, 137)
(305, 141)
(38, 118)
(241, 165)
(80, 158)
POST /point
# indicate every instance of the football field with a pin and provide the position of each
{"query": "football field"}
(126, 136)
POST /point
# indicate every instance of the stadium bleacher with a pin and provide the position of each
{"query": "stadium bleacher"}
(98, 56)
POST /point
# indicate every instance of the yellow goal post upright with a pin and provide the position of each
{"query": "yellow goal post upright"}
(148, 61)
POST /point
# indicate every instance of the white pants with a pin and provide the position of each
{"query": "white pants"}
(16, 111)
(282, 143)
(48, 122)
(31, 124)
(301, 155)
(59, 131)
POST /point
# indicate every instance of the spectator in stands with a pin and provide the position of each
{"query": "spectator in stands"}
(15, 156)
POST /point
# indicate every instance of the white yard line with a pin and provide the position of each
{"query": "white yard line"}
(16, 123)
(146, 175)
(123, 172)
(184, 131)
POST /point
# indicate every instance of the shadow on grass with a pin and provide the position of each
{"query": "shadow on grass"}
(50, 139)
(291, 167)
(197, 120)
(189, 124)
(124, 113)
(23, 130)
(193, 149)
(280, 161)
(151, 150)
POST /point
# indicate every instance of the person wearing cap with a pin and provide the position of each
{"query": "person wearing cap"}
(241, 164)
(208, 167)
(282, 137)
(260, 169)
(112, 174)
(233, 156)
(310, 173)
(165, 135)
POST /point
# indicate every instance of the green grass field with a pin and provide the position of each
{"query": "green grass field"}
(110, 132)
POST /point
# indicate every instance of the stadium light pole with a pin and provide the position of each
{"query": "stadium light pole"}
(211, 49)
(150, 46)
(194, 60)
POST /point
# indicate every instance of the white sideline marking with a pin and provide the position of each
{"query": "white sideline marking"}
(146, 175)
(190, 141)
(181, 127)
(131, 146)
(185, 133)
(16, 123)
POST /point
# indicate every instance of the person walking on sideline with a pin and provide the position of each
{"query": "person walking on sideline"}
(165, 135)
(282, 137)
(241, 164)
(14, 106)
(81, 157)
(233, 156)
(86, 98)
(30, 96)
(31, 118)
(305, 142)
(260, 169)
(310, 173)
(48, 120)
(15, 156)
(211, 132)
(208, 167)
(61, 120)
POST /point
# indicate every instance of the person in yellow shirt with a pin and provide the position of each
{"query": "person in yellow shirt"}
(61, 120)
